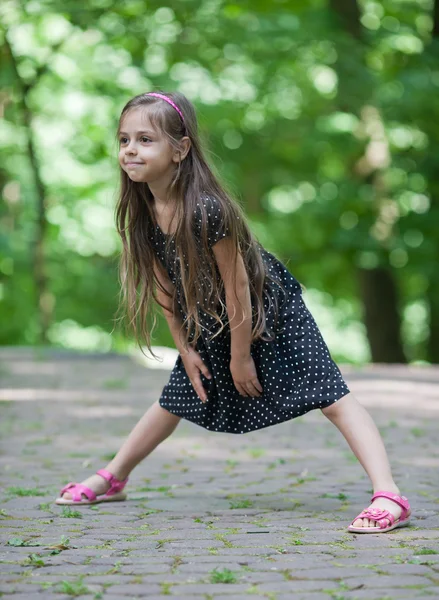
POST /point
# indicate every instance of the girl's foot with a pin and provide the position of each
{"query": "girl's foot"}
(384, 504)
(102, 487)
(388, 510)
(96, 483)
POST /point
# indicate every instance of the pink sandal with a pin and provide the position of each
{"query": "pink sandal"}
(77, 490)
(384, 518)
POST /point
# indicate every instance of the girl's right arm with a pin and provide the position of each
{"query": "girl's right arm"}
(174, 321)
(192, 360)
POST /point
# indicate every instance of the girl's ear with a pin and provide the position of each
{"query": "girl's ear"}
(185, 146)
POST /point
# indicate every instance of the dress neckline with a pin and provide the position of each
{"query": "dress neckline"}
(160, 230)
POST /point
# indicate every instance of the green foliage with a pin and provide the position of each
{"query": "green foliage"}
(69, 513)
(20, 491)
(35, 560)
(244, 503)
(21, 542)
(73, 588)
(322, 122)
(223, 576)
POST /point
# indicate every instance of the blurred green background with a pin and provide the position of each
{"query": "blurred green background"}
(321, 115)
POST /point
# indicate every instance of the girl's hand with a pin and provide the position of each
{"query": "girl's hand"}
(245, 378)
(194, 365)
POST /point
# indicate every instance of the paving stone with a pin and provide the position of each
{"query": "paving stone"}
(394, 581)
(409, 593)
(290, 542)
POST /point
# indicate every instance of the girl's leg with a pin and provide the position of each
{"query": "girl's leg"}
(366, 443)
(154, 427)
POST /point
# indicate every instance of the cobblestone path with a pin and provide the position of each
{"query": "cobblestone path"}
(209, 516)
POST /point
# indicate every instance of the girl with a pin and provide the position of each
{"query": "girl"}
(250, 353)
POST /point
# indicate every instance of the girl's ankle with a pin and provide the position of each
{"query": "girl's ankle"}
(387, 487)
(120, 474)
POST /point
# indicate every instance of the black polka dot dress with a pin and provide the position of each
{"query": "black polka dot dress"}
(295, 370)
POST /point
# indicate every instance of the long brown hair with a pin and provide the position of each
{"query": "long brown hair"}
(200, 286)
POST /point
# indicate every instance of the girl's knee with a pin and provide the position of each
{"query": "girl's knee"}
(334, 409)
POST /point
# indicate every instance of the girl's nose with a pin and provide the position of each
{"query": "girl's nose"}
(131, 149)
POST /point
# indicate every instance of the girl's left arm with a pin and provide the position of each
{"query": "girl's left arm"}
(239, 311)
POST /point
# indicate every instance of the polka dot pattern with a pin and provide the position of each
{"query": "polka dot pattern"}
(295, 370)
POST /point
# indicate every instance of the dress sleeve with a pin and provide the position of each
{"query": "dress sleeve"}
(216, 229)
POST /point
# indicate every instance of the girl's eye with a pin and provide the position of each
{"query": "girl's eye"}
(145, 139)
(123, 140)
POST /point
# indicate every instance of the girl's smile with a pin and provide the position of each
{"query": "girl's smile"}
(144, 153)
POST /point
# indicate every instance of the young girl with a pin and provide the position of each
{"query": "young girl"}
(250, 353)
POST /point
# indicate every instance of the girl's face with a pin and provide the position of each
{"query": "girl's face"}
(144, 153)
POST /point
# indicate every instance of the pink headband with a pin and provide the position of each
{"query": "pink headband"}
(169, 101)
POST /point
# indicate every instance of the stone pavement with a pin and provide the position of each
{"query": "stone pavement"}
(209, 515)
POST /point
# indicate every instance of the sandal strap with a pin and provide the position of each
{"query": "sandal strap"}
(400, 500)
(383, 517)
(77, 489)
(115, 484)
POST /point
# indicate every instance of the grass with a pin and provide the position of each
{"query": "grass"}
(115, 568)
(151, 511)
(108, 456)
(350, 457)
(22, 492)
(231, 464)
(40, 442)
(73, 588)
(339, 496)
(34, 560)
(161, 543)
(256, 452)
(166, 588)
(244, 503)
(161, 489)
(68, 513)
(63, 544)
(426, 551)
(417, 432)
(222, 538)
(115, 384)
(177, 561)
(296, 542)
(223, 576)
(78, 455)
(287, 574)
(261, 522)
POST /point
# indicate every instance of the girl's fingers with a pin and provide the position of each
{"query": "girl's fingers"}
(257, 385)
(200, 365)
(241, 389)
(198, 387)
(253, 390)
(205, 371)
(249, 388)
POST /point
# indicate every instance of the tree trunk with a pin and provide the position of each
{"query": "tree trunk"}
(348, 14)
(433, 288)
(377, 287)
(43, 299)
(381, 317)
